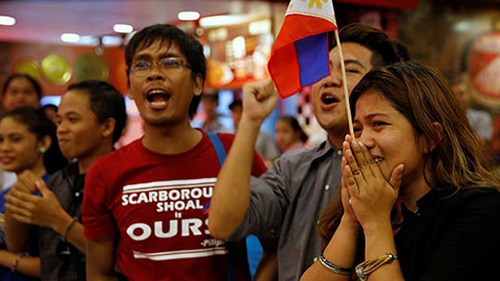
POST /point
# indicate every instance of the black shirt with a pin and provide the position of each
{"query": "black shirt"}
(451, 238)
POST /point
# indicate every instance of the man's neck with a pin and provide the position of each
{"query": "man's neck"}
(336, 141)
(84, 163)
(170, 140)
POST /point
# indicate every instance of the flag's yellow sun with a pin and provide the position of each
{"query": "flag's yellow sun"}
(317, 2)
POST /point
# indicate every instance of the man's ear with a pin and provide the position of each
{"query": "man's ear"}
(108, 127)
(438, 132)
(198, 85)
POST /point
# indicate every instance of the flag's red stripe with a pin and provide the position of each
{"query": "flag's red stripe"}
(284, 70)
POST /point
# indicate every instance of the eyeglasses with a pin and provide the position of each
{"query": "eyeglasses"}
(142, 67)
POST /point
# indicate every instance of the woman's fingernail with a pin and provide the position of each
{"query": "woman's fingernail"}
(354, 144)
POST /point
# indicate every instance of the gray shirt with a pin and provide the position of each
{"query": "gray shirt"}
(286, 203)
(71, 267)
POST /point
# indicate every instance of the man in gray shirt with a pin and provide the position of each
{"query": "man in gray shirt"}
(285, 203)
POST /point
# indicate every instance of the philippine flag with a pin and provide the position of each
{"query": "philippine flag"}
(300, 52)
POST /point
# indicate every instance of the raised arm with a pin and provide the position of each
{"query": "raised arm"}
(232, 191)
(268, 264)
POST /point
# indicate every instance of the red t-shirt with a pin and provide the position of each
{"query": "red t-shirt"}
(156, 205)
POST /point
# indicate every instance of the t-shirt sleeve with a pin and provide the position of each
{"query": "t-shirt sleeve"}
(97, 220)
(258, 167)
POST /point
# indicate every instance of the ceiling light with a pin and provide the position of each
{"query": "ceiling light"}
(88, 40)
(70, 37)
(219, 21)
(123, 28)
(111, 40)
(225, 20)
(7, 20)
(188, 15)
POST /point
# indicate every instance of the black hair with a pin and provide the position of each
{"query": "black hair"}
(105, 102)
(187, 44)
(385, 50)
(37, 123)
(50, 106)
(235, 103)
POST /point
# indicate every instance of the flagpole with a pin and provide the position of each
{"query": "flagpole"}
(344, 83)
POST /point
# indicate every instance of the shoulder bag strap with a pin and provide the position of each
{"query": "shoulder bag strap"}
(221, 154)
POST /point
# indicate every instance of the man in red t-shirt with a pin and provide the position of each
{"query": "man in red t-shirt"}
(146, 205)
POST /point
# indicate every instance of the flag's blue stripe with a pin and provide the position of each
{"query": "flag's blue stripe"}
(312, 56)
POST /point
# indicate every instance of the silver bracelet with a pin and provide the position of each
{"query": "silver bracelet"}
(333, 267)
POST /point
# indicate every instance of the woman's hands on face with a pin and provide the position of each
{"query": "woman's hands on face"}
(371, 196)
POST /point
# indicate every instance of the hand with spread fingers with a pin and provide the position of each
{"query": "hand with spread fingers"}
(372, 197)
